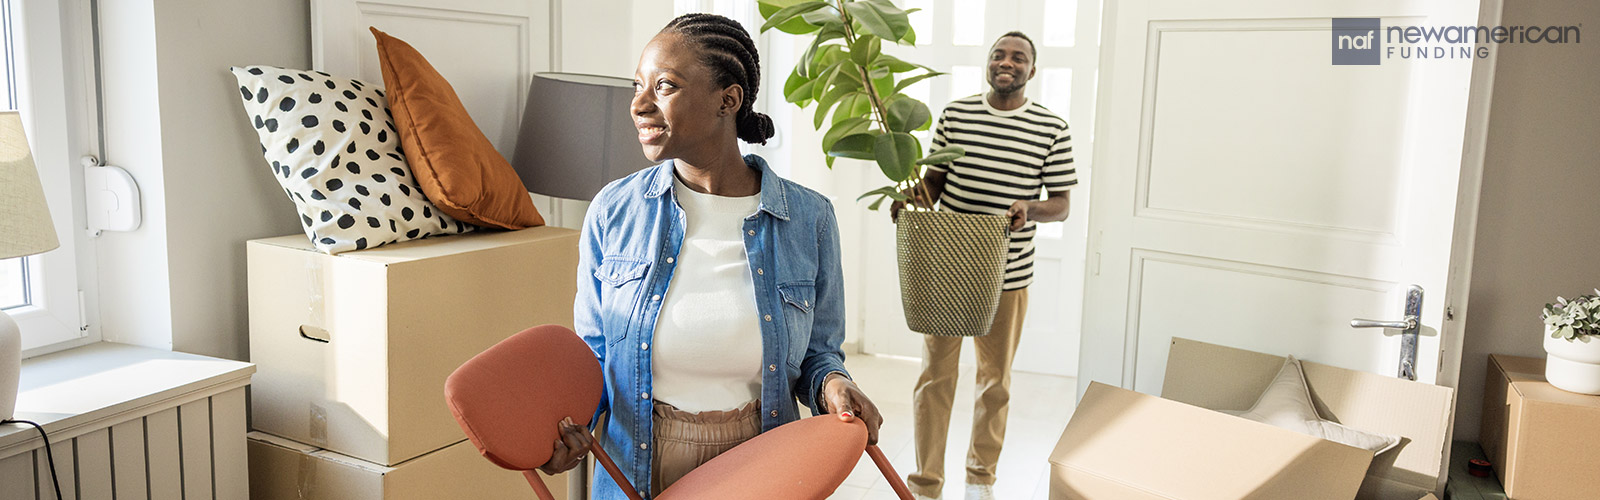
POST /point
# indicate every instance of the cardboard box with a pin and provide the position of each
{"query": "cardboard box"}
(282, 469)
(352, 350)
(1544, 442)
(1120, 444)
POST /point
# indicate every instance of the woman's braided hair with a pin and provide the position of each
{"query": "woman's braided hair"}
(727, 49)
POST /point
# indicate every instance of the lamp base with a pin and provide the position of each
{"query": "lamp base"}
(10, 365)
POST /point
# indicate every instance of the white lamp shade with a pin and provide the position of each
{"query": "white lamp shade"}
(25, 226)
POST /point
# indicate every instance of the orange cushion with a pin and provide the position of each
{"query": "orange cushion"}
(455, 164)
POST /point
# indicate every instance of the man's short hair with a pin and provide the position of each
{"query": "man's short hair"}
(1033, 52)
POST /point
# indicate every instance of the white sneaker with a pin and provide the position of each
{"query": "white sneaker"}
(980, 492)
(920, 497)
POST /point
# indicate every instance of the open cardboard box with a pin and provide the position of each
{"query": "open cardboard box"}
(1122, 444)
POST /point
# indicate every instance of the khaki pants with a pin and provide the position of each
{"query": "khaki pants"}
(686, 440)
(936, 389)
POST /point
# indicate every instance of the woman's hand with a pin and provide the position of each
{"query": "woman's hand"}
(841, 395)
(571, 446)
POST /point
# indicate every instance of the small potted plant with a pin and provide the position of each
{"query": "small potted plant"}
(1574, 351)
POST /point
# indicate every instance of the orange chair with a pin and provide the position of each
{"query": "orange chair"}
(510, 398)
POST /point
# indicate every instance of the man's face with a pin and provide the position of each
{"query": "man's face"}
(1010, 65)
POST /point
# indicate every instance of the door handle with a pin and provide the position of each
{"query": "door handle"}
(1410, 326)
(1372, 323)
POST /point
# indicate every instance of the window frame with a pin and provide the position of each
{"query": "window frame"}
(54, 63)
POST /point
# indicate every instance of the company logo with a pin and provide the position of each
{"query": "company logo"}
(1364, 41)
(1357, 41)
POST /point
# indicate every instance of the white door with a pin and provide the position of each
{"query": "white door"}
(1250, 193)
(954, 36)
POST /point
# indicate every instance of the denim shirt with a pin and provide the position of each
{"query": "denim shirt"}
(631, 238)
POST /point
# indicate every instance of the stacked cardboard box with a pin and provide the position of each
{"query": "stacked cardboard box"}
(1544, 442)
(1121, 444)
(353, 351)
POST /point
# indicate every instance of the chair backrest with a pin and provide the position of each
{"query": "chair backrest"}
(510, 398)
(804, 459)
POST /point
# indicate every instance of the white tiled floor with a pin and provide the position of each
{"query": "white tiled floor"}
(1040, 407)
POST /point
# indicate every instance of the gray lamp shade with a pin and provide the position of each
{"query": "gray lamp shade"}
(25, 227)
(577, 135)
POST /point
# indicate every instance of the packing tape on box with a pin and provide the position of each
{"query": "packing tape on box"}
(316, 314)
(307, 477)
(319, 425)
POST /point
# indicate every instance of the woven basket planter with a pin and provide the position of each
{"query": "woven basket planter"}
(951, 269)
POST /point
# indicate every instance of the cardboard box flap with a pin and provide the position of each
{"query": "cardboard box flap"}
(426, 248)
(1527, 378)
(1166, 449)
(1225, 378)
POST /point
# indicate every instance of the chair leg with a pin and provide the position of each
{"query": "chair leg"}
(616, 474)
(889, 474)
(538, 485)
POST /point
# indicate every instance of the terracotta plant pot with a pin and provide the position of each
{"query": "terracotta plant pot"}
(951, 269)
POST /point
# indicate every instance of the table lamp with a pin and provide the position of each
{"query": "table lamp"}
(25, 229)
(577, 135)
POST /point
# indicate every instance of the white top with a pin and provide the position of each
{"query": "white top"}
(707, 350)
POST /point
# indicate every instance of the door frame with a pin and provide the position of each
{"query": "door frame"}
(1458, 280)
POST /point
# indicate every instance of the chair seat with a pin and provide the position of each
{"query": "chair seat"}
(802, 460)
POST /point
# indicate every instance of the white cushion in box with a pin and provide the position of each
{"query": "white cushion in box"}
(352, 350)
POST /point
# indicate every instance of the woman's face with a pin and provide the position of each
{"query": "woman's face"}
(677, 107)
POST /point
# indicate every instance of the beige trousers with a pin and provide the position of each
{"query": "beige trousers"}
(936, 389)
(685, 440)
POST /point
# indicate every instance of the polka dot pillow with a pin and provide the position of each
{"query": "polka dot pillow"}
(334, 149)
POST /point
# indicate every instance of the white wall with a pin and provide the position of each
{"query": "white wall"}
(173, 119)
(1538, 223)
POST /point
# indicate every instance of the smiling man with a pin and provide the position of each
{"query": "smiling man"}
(1016, 150)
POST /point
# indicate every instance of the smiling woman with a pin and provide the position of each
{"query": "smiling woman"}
(710, 289)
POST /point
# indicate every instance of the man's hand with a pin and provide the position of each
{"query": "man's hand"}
(570, 448)
(840, 395)
(1018, 213)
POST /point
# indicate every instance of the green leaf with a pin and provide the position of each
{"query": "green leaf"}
(786, 14)
(830, 77)
(899, 22)
(866, 49)
(876, 203)
(871, 20)
(896, 65)
(862, 106)
(896, 153)
(843, 88)
(943, 155)
(824, 17)
(858, 146)
(906, 83)
(794, 82)
(847, 109)
(907, 114)
(844, 128)
(891, 192)
(801, 94)
(879, 72)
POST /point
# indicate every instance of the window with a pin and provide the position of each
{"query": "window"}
(13, 283)
(44, 74)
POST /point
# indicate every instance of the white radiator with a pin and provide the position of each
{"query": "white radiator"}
(129, 423)
(193, 451)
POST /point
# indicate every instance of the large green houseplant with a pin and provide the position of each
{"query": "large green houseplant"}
(951, 265)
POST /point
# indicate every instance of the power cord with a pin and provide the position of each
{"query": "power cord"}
(49, 455)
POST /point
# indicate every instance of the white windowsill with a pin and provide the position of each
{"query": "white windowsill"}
(92, 387)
